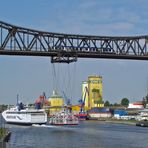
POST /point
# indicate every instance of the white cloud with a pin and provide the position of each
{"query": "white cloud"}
(89, 18)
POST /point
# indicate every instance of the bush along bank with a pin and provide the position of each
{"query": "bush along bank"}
(4, 135)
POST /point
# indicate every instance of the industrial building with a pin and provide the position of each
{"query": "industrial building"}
(136, 105)
(56, 102)
(92, 92)
(99, 112)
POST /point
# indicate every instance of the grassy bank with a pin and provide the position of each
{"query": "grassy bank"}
(117, 121)
(120, 121)
(3, 132)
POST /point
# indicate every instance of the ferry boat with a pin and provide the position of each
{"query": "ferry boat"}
(26, 116)
(64, 118)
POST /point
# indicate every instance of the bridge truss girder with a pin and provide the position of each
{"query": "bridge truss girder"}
(67, 48)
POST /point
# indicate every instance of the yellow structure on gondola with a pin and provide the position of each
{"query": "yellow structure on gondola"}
(56, 102)
(92, 92)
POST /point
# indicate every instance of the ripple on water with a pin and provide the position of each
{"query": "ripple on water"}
(87, 134)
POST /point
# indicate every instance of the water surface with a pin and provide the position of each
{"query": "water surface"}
(89, 134)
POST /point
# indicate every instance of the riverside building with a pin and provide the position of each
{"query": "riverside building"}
(92, 92)
(56, 102)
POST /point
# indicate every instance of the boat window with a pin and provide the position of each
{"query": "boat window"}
(25, 112)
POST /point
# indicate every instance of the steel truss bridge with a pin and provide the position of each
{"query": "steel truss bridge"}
(67, 48)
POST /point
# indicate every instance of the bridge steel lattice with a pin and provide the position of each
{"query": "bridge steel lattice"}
(67, 48)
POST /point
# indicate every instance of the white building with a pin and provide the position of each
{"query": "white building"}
(136, 105)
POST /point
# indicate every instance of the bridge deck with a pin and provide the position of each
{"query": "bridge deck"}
(67, 48)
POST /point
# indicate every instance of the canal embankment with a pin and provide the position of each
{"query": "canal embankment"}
(4, 137)
(128, 122)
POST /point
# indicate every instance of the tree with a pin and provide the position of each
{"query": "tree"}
(116, 104)
(125, 102)
(107, 103)
(146, 97)
(144, 102)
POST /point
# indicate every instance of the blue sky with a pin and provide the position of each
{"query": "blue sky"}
(30, 76)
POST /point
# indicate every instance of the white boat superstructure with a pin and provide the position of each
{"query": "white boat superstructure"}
(25, 116)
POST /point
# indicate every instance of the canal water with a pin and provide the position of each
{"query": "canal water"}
(89, 134)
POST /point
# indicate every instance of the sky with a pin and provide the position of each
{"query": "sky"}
(31, 76)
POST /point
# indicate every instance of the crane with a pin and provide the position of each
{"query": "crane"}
(82, 114)
(82, 101)
(39, 102)
(68, 102)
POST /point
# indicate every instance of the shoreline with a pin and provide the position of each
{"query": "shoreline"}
(114, 121)
(121, 122)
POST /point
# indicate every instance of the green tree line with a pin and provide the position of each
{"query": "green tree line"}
(124, 102)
